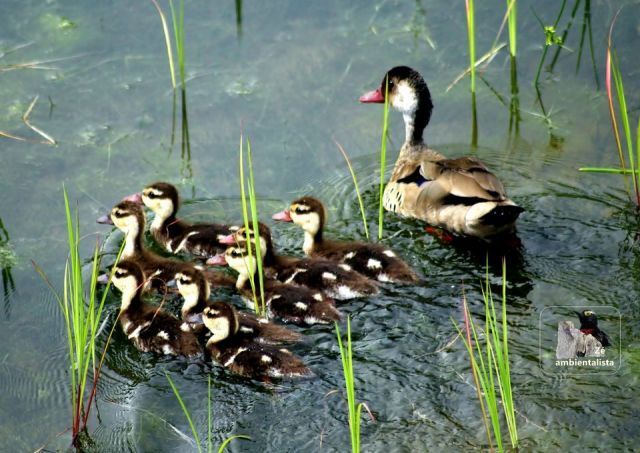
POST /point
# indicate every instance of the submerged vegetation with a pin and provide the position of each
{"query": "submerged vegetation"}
(490, 364)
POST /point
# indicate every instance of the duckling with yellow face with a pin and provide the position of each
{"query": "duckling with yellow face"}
(242, 356)
(195, 291)
(199, 239)
(336, 280)
(290, 303)
(148, 327)
(372, 260)
(129, 218)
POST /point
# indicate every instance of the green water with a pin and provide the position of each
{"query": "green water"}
(290, 79)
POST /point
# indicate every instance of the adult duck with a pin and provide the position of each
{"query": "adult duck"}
(460, 195)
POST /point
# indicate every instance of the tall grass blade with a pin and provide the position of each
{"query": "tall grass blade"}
(256, 226)
(490, 365)
(82, 313)
(167, 41)
(512, 8)
(355, 411)
(383, 156)
(186, 412)
(245, 220)
(356, 186)
(228, 440)
(471, 35)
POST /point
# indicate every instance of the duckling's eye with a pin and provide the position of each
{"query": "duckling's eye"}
(301, 210)
(120, 274)
(184, 281)
(235, 253)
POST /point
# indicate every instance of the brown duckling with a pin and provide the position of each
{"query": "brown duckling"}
(336, 280)
(199, 239)
(148, 327)
(129, 218)
(460, 195)
(242, 356)
(194, 288)
(290, 303)
(373, 260)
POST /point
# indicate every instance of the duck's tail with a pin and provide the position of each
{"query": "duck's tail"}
(502, 215)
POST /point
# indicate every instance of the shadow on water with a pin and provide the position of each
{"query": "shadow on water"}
(7, 261)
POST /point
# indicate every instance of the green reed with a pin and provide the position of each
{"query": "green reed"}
(167, 41)
(471, 35)
(178, 35)
(383, 156)
(82, 311)
(259, 303)
(490, 364)
(192, 426)
(355, 411)
(357, 188)
(613, 79)
(512, 12)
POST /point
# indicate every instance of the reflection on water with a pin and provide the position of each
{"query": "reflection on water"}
(7, 261)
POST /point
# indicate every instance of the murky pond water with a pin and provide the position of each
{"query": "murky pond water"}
(290, 79)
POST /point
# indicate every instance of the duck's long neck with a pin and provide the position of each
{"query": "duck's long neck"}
(132, 242)
(416, 121)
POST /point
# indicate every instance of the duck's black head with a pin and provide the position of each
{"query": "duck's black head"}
(162, 198)
(221, 319)
(409, 94)
(588, 319)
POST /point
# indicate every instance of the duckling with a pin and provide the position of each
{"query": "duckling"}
(460, 195)
(373, 260)
(200, 239)
(294, 304)
(242, 356)
(337, 280)
(194, 288)
(148, 327)
(128, 217)
(589, 326)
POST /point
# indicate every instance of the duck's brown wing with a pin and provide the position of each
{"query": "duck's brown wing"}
(465, 177)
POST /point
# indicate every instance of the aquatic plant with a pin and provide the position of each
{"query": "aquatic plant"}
(612, 73)
(383, 155)
(490, 363)
(82, 314)
(178, 35)
(187, 414)
(512, 13)
(471, 35)
(258, 303)
(357, 188)
(349, 384)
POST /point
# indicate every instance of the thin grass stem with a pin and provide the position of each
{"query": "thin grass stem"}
(194, 431)
(356, 186)
(383, 156)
